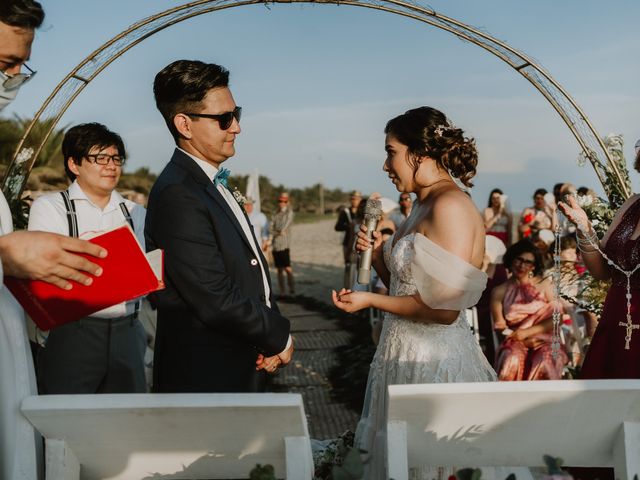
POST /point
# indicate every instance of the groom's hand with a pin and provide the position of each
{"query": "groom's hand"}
(286, 356)
(268, 364)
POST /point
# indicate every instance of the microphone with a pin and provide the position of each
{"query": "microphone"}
(372, 215)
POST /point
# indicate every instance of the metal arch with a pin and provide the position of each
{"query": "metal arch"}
(73, 84)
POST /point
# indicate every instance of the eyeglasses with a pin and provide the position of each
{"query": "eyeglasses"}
(405, 199)
(524, 261)
(103, 159)
(11, 82)
(224, 119)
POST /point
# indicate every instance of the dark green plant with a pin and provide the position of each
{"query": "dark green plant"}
(20, 212)
(469, 474)
(262, 472)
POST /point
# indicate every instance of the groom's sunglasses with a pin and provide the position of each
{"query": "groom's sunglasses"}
(224, 119)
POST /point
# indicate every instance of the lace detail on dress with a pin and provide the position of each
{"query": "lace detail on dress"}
(413, 352)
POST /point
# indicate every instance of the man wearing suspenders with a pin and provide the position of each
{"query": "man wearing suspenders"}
(102, 353)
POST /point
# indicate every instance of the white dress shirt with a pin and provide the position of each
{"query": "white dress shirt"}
(211, 171)
(49, 214)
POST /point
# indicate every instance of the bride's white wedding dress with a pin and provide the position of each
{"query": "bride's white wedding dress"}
(414, 352)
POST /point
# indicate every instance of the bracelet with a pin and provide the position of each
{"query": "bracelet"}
(584, 251)
(583, 234)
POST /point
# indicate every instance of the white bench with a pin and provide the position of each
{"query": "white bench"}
(152, 436)
(589, 423)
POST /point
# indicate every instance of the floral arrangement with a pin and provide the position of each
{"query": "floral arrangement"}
(239, 197)
(339, 460)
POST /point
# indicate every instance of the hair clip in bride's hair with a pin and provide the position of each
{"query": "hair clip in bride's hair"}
(440, 129)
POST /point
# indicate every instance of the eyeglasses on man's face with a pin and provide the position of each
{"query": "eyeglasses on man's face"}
(103, 159)
(11, 82)
(524, 261)
(405, 199)
(224, 119)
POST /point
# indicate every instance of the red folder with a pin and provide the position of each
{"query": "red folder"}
(128, 273)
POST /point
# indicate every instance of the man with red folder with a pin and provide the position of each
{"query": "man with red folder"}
(103, 352)
(219, 328)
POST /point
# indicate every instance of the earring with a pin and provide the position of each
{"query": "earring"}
(530, 273)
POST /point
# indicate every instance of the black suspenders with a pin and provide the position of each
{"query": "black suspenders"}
(72, 218)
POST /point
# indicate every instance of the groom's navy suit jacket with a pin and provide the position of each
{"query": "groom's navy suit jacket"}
(212, 316)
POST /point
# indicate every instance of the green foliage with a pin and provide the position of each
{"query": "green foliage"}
(469, 474)
(554, 465)
(10, 135)
(12, 130)
(140, 180)
(260, 472)
(20, 212)
(302, 199)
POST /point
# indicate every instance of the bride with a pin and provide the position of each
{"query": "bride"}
(432, 268)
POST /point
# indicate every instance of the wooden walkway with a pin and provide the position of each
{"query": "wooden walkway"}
(316, 338)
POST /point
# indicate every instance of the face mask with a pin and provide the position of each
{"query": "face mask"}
(7, 96)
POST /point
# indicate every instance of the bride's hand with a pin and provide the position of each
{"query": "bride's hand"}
(363, 243)
(574, 212)
(349, 301)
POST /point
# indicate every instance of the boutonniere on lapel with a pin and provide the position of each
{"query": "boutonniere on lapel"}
(240, 198)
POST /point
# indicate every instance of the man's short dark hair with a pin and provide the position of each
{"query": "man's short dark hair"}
(182, 85)
(21, 13)
(79, 140)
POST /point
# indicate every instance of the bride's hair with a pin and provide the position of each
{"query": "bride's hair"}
(427, 133)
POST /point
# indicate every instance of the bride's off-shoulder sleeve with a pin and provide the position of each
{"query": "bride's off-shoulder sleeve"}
(445, 281)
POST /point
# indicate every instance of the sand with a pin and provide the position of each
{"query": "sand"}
(316, 258)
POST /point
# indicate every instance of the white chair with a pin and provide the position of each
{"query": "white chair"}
(588, 423)
(154, 436)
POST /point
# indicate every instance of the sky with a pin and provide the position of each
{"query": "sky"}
(317, 84)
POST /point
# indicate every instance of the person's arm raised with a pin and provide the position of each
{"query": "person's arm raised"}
(49, 257)
(594, 261)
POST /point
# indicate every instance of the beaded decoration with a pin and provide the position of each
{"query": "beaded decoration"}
(557, 313)
(589, 243)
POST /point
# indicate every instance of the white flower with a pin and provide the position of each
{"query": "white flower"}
(24, 155)
(584, 200)
(241, 199)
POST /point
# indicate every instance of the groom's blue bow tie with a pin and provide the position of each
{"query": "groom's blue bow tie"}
(221, 177)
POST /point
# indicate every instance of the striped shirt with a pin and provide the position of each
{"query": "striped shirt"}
(281, 229)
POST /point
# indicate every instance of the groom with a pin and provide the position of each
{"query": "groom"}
(219, 329)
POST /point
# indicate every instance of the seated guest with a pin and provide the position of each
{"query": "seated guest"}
(497, 219)
(496, 275)
(104, 352)
(522, 309)
(538, 217)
